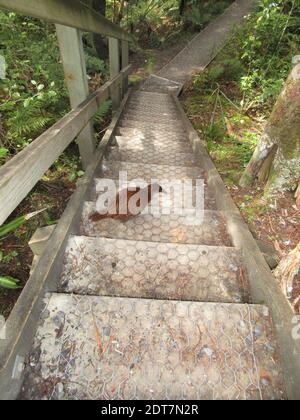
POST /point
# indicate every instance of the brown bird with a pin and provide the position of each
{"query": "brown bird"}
(122, 202)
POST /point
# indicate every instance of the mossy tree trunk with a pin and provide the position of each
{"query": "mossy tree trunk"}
(276, 160)
(288, 275)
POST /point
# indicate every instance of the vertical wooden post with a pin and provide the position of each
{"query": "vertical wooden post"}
(125, 62)
(115, 67)
(72, 54)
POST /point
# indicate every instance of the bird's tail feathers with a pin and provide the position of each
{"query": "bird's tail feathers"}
(96, 217)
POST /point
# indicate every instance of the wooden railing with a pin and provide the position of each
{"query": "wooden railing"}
(21, 173)
(69, 13)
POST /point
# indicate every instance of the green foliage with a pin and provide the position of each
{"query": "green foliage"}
(215, 133)
(102, 112)
(155, 23)
(9, 283)
(259, 57)
(266, 46)
(94, 64)
(16, 223)
(200, 13)
(228, 69)
(33, 95)
(6, 259)
(152, 21)
(135, 79)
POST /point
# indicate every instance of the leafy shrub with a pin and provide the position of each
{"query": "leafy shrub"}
(227, 70)
(267, 44)
(94, 64)
(201, 13)
(33, 95)
(216, 132)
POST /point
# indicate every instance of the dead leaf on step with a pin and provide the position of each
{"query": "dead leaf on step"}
(265, 375)
(98, 337)
(177, 235)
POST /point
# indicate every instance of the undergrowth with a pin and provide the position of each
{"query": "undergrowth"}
(230, 102)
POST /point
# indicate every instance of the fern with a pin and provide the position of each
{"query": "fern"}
(102, 112)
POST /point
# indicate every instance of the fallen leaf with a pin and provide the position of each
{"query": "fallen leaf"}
(98, 337)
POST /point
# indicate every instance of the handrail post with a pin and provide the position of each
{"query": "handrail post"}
(72, 55)
(125, 62)
(115, 67)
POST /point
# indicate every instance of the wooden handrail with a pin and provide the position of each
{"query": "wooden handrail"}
(22, 172)
(68, 13)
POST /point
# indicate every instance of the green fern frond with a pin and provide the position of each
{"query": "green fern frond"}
(102, 112)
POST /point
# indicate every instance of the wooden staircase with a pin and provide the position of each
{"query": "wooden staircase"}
(161, 306)
(157, 307)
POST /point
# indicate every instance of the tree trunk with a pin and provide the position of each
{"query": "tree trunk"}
(182, 5)
(288, 275)
(100, 42)
(276, 160)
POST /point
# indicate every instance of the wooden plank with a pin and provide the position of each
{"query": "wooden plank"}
(20, 174)
(65, 12)
(72, 55)
(114, 67)
(125, 62)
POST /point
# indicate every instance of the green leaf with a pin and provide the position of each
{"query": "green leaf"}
(16, 223)
(27, 102)
(72, 177)
(9, 283)
(3, 152)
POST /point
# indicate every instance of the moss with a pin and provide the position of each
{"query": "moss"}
(284, 125)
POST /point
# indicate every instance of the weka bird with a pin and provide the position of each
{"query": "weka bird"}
(122, 201)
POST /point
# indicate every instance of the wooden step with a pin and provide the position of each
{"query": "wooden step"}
(165, 136)
(158, 84)
(148, 172)
(155, 144)
(152, 110)
(123, 268)
(102, 348)
(151, 155)
(153, 97)
(163, 228)
(152, 125)
(149, 117)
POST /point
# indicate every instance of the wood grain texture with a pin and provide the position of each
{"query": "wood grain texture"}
(69, 13)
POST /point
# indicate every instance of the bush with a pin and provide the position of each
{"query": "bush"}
(33, 95)
(201, 13)
(227, 70)
(267, 44)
